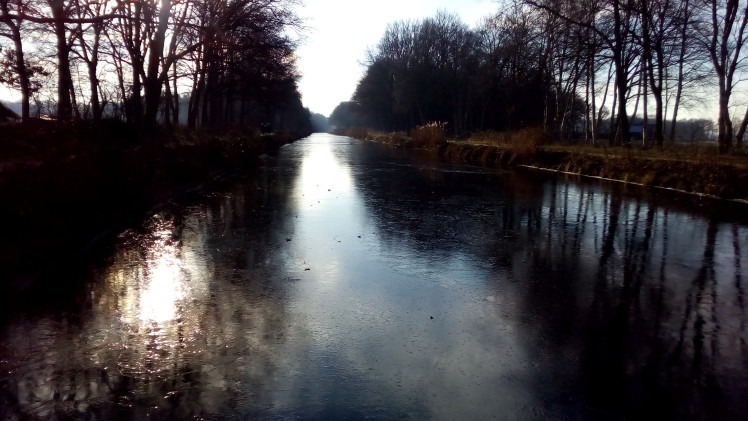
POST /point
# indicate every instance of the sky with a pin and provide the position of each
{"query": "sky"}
(339, 33)
(337, 36)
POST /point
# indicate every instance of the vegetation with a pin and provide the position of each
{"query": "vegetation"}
(64, 187)
(433, 134)
(131, 59)
(128, 104)
(693, 168)
(583, 70)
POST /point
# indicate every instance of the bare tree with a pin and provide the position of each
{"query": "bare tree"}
(153, 79)
(20, 66)
(725, 36)
(614, 25)
(688, 57)
(88, 38)
(657, 22)
(238, 52)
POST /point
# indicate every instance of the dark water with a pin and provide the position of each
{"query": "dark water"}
(348, 281)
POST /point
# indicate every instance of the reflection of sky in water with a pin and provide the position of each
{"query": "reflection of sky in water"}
(401, 327)
(321, 173)
(322, 295)
(163, 284)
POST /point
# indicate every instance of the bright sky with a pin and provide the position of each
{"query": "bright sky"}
(340, 31)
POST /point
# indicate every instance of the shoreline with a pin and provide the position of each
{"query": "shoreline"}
(64, 203)
(711, 177)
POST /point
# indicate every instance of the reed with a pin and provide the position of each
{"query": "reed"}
(430, 135)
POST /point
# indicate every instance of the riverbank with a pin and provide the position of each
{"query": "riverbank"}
(63, 190)
(689, 169)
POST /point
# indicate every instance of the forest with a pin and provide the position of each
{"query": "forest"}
(217, 64)
(589, 69)
(581, 69)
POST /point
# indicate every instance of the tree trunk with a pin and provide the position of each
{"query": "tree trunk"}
(64, 77)
(725, 44)
(592, 112)
(724, 124)
(20, 63)
(681, 59)
(153, 81)
(198, 83)
(96, 110)
(741, 131)
(175, 93)
(622, 120)
(645, 120)
(612, 123)
(605, 95)
(93, 63)
(119, 69)
(23, 74)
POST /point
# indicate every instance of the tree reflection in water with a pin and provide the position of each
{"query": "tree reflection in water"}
(660, 316)
(164, 332)
(635, 299)
(433, 292)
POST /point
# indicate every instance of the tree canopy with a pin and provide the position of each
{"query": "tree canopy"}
(588, 69)
(132, 58)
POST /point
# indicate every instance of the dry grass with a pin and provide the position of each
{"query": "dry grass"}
(430, 135)
(527, 141)
(398, 139)
(489, 138)
(699, 153)
(698, 168)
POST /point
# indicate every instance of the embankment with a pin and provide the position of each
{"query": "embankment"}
(725, 181)
(713, 175)
(65, 190)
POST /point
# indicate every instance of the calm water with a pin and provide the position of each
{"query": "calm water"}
(350, 281)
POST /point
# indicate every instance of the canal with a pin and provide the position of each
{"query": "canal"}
(346, 280)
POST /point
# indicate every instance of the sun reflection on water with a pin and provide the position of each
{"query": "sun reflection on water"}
(150, 290)
(322, 174)
(156, 286)
(165, 285)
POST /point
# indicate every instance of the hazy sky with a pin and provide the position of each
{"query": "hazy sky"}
(340, 31)
(330, 59)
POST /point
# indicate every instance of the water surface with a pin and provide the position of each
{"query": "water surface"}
(351, 281)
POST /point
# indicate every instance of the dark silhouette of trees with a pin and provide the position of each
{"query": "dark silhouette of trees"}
(320, 123)
(438, 69)
(245, 61)
(347, 115)
(544, 63)
(516, 68)
(17, 71)
(614, 24)
(235, 58)
(725, 35)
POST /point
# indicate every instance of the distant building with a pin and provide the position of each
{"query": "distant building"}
(7, 116)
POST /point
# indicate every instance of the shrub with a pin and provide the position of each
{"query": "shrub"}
(430, 135)
(526, 141)
(397, 139)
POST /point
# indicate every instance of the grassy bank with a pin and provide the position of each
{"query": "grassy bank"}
(687, 168)
(63, 189)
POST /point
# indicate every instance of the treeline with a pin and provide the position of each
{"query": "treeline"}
(574, 67)
(135, 59)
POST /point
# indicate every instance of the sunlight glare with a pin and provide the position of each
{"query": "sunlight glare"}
(321, 173)
(165, 288)
(159, 285)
